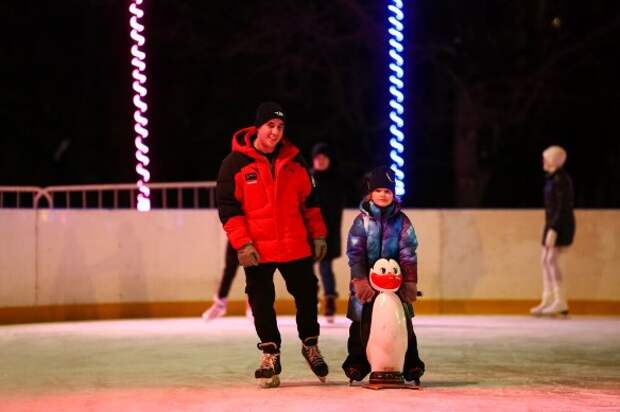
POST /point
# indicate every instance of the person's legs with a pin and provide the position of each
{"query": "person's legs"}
(559, 304)
(413, 368)
(220, 301)
(261, 294)
(356, 365)
(329, 288)
(327, 277)
(302, 283)
(230, 270)
(547, 293)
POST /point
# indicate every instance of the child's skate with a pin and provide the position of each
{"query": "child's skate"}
(270, 368)
(313, 356)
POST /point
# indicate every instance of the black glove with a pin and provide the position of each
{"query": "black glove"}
(248, 256)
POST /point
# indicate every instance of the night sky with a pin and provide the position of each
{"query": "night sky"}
(490, 84)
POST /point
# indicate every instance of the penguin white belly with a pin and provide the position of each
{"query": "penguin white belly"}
(387, 342)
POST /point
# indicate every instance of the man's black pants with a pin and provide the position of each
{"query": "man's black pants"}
(301, 282)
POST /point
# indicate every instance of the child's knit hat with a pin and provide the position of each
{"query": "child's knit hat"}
(382, 176)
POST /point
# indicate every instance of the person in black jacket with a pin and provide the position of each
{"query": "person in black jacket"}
(558, 232)
(331, 201)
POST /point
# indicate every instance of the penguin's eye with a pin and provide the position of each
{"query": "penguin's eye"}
(383, 271)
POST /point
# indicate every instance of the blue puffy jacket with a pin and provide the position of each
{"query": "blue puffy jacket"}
(380, 233)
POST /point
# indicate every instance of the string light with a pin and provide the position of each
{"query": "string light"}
(139, 83)
(396, 78)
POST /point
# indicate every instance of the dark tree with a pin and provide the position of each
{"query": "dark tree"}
(490, 83)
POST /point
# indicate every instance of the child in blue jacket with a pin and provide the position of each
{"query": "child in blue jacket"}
(381, 230)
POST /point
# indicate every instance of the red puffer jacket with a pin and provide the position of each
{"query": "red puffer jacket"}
(274, 206)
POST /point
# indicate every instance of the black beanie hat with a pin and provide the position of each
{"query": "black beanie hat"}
(324, 149)
(267, 111)
(382, 176)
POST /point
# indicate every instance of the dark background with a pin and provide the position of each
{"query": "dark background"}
(490, 84)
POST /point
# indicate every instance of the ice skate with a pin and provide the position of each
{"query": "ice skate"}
(556, 308)
(311, 353)
(269, 369)
(547, 299)
(559, 305)
(217, 310)
(330, 308)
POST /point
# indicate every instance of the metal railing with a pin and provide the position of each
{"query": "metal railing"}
(20, 196)
(176, 195)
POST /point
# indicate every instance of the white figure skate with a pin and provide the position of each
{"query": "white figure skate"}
(217, 310)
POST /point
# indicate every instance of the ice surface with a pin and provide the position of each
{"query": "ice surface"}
(487, 363)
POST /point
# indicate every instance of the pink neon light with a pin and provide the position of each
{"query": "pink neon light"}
(144, 201)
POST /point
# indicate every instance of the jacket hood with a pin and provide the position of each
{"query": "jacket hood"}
(242, 142)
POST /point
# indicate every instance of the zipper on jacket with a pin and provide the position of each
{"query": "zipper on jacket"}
(272, 168)
(381, 236)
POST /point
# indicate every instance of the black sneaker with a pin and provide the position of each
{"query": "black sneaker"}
(356, 372)
(270, 367)
(311, 353)
(356, 369)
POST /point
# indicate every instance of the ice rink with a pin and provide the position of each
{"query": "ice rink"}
(483, 363)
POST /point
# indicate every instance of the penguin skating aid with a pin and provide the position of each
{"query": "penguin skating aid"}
(387, 342)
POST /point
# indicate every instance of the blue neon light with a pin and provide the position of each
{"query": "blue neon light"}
(397, 84)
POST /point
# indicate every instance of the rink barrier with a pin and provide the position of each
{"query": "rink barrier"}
(172, 195)
(124, 264)
(102, 311)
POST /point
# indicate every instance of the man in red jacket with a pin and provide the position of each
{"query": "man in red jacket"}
(268, 206)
